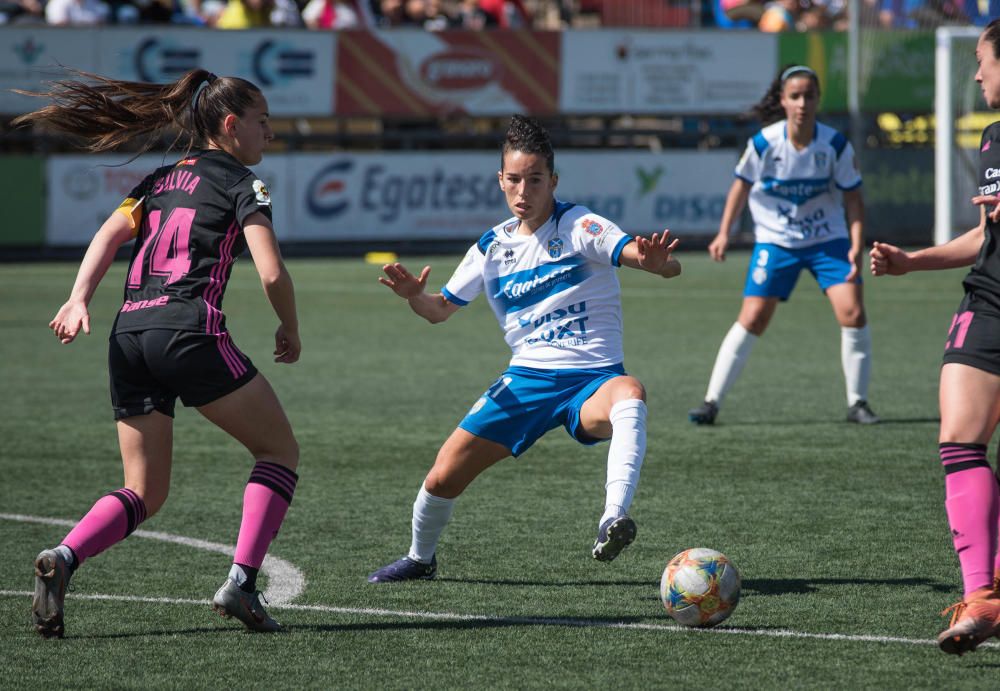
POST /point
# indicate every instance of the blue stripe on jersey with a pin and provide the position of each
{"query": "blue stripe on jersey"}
(560, 209)
(839, 143)
(795, 191)
(617, 254)
(747, 180)
(451, 297)
(852, 187)
(759, 143)
(486, 240)
(529, 287)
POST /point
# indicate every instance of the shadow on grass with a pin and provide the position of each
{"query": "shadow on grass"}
(825, 422)
(787, 586)
(558, 584)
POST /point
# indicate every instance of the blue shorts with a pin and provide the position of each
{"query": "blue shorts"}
(525, 403)
(774, 270)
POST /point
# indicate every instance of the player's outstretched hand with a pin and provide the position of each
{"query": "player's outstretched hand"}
(987, 199)
(402, 282)
(888, 259)
(287, 345)
(68, 321)
(654, 254)
(717, 247)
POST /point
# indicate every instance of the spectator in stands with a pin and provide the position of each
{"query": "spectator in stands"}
(742, 10)
(253, 14)
(437, 17)
(330, 14)
(21, 11)
(780, 15)
(470, 16)
(76, 12)
(506, 14)
(414, 13)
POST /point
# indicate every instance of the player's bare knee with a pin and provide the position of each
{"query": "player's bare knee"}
(630, 388)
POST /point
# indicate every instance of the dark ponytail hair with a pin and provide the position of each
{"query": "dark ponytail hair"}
(992, 34)
(107, 113)
(527, 136)
(769, 109)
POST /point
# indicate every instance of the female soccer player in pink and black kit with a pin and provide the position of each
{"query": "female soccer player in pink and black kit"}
(190, 220)
(970, 380)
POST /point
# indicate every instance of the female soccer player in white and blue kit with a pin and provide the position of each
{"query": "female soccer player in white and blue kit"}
(800, 176)
(549, 275)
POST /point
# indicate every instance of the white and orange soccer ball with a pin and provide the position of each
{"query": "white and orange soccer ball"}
(700, 587)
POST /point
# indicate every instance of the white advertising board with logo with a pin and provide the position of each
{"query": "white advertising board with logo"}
(83, 190)
(34, 55)
(294, 69)
(414, 196)
(456, 195)
(661, 72)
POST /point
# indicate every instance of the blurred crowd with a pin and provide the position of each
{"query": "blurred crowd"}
(439, 15)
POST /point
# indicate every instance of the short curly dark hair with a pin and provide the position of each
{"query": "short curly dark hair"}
(527, 136)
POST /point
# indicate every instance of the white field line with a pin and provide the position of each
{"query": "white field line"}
(296, 584)
(488, 619)
(285, 582)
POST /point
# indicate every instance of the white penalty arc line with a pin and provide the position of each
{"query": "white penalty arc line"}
(522, 621)
(285, 581)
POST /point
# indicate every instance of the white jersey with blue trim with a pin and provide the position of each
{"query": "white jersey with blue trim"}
(795, 198)
(555, 292)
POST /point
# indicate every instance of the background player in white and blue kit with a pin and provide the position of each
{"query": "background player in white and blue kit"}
(800, 177)
(549, 276)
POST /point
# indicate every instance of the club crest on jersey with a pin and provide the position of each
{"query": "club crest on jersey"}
(260, 191)
(555, 248)
(592, 227)
(820, 158)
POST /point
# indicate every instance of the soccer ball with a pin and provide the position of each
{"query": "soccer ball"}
(700, 587)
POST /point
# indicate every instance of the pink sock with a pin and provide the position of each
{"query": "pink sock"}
(265, 502)
(110, 520)
(972, 500)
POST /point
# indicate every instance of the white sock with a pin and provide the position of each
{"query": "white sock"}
(628, 447)
(856, 358)
(733, 355)
(237, 575)
(430, 516)
(67, 554)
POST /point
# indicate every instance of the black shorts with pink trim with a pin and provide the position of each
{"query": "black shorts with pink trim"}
(150, 369)
(974, 335)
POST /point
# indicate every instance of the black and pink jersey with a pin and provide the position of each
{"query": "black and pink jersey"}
(189, 220)
(984, 278)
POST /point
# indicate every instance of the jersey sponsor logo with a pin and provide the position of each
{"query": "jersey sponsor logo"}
(795, 191)
(493, 248)
(509, 258)
(182, 180)
(591, 227)
(144, 304)
(555, 247)
(522, 289)
(261, 192)
(992, 188)
(562, 332)
(992, 173)
(187, 162)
